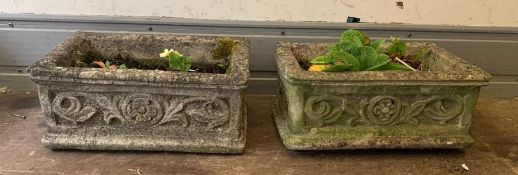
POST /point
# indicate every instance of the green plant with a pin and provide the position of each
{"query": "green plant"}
(397, 47)
(108, 65)
(423, 53)
(221, 65)
(123, 66)
(355, 52)
(177, 61)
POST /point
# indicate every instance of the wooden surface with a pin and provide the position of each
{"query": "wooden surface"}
(495, 129)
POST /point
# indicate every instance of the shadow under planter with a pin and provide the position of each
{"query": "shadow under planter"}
(375, 109)
(138, 109)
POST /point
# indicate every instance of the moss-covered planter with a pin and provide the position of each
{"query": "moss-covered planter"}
(132, 109)
(376, 109)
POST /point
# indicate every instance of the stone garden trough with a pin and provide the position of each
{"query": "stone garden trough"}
(375, 109)
(142, 109)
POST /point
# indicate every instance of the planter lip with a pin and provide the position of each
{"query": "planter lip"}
(467, 74)
(46, 69)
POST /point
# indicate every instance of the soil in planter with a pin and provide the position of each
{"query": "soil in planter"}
(86, 56)
(86, 59)
(411, 60)
(305, 64)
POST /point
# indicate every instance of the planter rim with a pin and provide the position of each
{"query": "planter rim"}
(46, 69)
(467, 74)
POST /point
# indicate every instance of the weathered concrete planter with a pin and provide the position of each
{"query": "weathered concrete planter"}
(386, 109)
(95, 109)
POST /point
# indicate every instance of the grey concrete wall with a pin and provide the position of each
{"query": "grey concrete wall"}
(32, 36)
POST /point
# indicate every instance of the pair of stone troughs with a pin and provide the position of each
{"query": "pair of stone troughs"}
(153, 110)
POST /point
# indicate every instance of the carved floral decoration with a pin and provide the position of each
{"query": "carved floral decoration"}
(142, 109)
(382, 110)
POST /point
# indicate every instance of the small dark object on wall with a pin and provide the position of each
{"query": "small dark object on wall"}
(11, 25)
(150, 28)
(351, 19)
(400, 4)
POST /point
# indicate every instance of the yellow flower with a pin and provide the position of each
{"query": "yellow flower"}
(317, 68)
(165, 53)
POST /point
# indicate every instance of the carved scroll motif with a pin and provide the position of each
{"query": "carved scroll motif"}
(141, 109)
(382, 110)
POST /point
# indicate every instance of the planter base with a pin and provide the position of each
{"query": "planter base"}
(141, 143)
(337, 138)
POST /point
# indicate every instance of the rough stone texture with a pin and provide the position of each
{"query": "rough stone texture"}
(495, 150)
(376, 109)
(96, 109)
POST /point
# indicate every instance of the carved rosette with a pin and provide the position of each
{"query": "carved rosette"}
(142, 109)
(383, 110)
